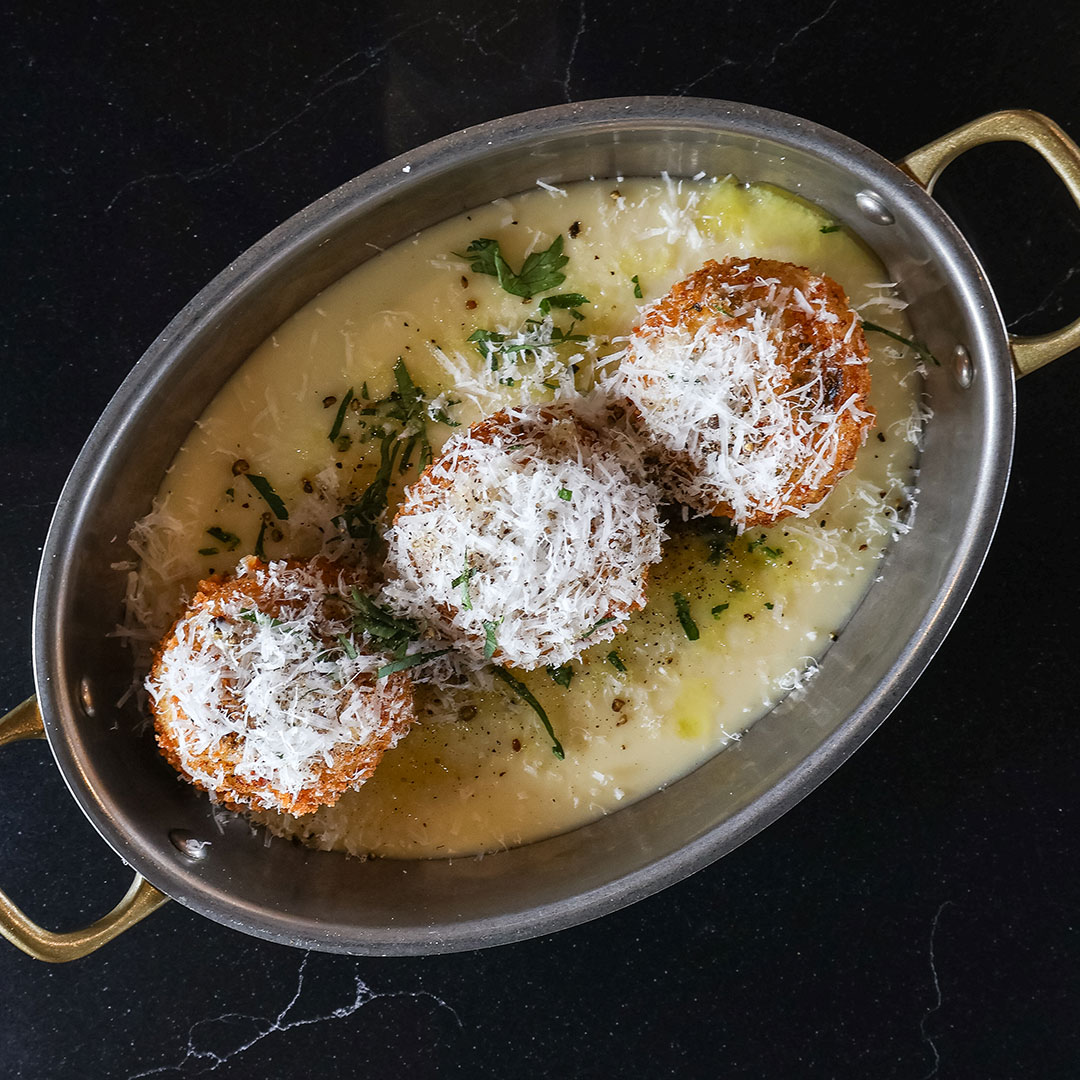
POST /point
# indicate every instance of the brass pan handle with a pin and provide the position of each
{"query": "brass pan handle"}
(1063, 156)
(24, 722)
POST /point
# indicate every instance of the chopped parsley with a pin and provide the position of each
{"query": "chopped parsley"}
(230, 540)
(561, 674)
(596, 626)
(769, 606)
(347, 646)
(570, 301)
(616, 661)
(565, 494)
(830, 228)
(912, 343)
(260, 552)
(401, 427)
(463, 580)
(525, 694)
(719, 610)
(490, 643)
(335, 429)
(682, 609)
(408, 662)
(270, 496)
(638, 294)
(208, 551)
(392, 633)
(770, 553)
(542, 270)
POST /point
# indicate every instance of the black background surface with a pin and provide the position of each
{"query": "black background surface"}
(916, 916)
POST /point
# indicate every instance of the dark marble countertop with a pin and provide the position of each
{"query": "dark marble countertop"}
(915, 916)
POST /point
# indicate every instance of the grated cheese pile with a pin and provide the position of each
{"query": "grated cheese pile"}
(263, 695)
(750, 383)
(525, 542)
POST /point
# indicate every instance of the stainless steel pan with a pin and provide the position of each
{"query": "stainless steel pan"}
(326, 901)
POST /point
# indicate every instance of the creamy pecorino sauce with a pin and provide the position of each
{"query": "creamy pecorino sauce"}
(477, 773)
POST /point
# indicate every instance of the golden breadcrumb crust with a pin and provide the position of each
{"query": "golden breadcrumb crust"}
(703, 300)
(350, 764)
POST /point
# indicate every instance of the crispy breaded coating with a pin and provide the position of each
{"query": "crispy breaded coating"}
(749, 384)
(263, 695)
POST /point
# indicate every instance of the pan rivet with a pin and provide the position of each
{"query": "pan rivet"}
(188, 844)
(873, 208)
(963, 369)
(86, 698)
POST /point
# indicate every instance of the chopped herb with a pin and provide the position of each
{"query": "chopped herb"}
(638, 294)
(230, 540)
(550, 385)
(407, 406)
(769, 606)
(682, 609)
(596, 626)
(364, 392)
(490, 644)
(343, 443)
(570, 301)
(542, 270)
(271, 497)
(719, 610)
(463, 581)
(736, 586)
(335, 430)
(260, 618)
(616, 661)
(360, 519)
(208, 551)
(725, 311)
(408, 662)
(230, 493)
(561, 674)
(525, 694)
(759, 544)
(830, 228)
(392, 633)
(260, 553)
(485, 342)
(912, 343)
(565, 494)
(346, 643)
(441, 416)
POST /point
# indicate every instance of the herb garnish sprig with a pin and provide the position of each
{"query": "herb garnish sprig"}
(525, 694)
(541, 271)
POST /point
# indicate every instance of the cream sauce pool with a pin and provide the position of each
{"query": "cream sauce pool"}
(477, 773)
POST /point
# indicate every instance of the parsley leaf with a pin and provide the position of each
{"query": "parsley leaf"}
(393, 634)
(830, 228)
(596, 626)
(561, 675)
(525, 694)
(270, 496)
(570, 301)
(616, 661)
(682, 609)
(638, 294)
(408, 662)
(230, 540)
(490, 644)
(335, 430)
(542, 270)
(770, 553)
(463, 580)
(912, 343)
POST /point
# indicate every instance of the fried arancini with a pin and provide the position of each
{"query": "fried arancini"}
(263, 695)
(749, 385)
(525, 542)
